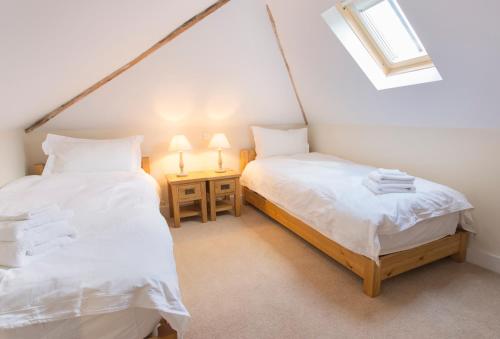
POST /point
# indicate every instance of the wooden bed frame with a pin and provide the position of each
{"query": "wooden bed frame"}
(37, 169)
(371, 273)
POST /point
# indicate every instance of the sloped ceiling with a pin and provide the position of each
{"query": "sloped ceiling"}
(463, 38)
(225, 68)
(52, 50)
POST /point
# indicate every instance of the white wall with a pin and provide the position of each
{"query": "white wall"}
(12, 159)
(446, 131)
(222, 75)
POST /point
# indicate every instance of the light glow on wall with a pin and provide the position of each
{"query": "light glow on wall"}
(174, 107)
(222, 106)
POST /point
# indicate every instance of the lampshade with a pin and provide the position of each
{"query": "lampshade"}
(179, 143)
(218, 141)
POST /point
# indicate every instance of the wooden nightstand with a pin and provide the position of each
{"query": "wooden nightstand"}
(188, 195)
(221, 186)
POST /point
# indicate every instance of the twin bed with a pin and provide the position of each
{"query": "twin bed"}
(118, 278)
(321, 198)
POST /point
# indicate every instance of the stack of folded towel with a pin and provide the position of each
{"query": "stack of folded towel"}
(384, 181)
(25, 235)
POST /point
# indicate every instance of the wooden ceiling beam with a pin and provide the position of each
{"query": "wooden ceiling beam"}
(275, 30)
(175, 33)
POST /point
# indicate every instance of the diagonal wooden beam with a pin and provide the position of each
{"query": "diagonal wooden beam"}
(275, 29)
(175, 33)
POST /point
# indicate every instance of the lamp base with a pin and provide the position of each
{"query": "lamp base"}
(220, 170)
(182, 174)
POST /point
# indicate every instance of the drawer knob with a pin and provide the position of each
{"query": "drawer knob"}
(225, 187)
(189, 191)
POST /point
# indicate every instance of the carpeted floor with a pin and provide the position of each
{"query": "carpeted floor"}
(249, 277)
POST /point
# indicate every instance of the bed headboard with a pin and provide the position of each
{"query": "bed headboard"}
(146, 165)
(37, 169)
(246, 155)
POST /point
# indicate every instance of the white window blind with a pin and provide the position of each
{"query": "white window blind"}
(389, 28)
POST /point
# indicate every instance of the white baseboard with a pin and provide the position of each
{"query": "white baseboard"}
(483, 259)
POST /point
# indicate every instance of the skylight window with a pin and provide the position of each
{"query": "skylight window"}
(379, 30)
(391, 30)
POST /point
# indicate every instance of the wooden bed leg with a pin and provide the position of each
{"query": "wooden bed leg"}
(243, 196)
(372, 281)
(462, 251)
(165, 331)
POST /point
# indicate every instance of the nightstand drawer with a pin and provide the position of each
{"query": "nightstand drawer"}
(190, 192)
(224, 186)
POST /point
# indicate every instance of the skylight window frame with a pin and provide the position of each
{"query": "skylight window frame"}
(352, 17)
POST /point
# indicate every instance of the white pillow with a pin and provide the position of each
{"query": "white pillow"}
(271, 142)
(87, 155)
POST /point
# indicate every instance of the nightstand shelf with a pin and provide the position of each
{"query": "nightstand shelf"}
(189, 211)
(222, 205)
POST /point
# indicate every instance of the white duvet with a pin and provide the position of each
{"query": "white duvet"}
(122, 258)
(327, 193)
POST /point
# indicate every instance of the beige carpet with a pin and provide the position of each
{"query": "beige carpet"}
(249, 277)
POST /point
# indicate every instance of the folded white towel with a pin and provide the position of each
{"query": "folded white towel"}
(391, 172)
(391, 179)
(49, 246)
(14, 230)
(33, 214)
(12, 254)
(397, 185)
(384, 189)
(15, 254)
(45, 233)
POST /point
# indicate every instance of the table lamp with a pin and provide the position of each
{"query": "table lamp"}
(218, 142)
(180, 143)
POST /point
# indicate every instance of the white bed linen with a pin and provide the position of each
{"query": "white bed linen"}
(132, 323)
(123, 256)
(421, 233)
(326, 192)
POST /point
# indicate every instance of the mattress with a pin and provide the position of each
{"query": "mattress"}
(421, 233)
(134, 323)
(326, 192)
